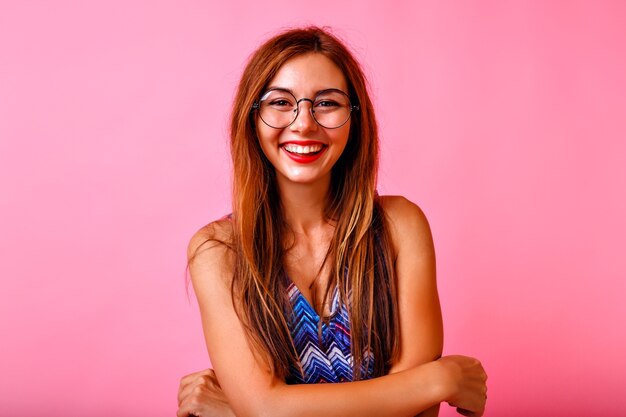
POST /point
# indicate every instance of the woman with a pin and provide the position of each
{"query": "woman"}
(314, 277)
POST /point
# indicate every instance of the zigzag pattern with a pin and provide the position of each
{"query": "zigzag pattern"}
(322, 359)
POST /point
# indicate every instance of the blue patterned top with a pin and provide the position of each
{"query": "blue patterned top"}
(328, 359)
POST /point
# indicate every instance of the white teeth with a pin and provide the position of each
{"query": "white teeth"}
(302, 150)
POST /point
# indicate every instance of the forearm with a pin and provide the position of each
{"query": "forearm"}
(404, 393)
(431, 412)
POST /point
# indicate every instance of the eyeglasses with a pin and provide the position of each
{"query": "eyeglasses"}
(278, 108)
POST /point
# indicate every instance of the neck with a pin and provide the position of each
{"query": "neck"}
(304, 205)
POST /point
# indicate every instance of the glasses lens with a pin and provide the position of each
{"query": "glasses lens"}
(278, 108)
(331, 109)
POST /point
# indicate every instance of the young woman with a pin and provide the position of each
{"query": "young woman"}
(314, 277)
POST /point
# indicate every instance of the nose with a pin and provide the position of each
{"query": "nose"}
(304, 120)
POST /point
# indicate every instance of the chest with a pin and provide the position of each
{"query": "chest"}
(308, 268)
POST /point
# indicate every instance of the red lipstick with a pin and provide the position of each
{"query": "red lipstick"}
(304, 158)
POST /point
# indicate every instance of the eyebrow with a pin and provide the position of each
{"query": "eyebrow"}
(277, 87)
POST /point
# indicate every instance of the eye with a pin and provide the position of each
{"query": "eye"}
(280, 103)
(326, 103)
(331, 100)
(278, 100)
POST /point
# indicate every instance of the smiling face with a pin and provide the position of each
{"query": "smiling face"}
(304, 152)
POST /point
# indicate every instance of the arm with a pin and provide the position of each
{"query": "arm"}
(421, 326)
(252, 390)
(201, 395)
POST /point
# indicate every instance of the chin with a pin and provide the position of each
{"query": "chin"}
(303, 179)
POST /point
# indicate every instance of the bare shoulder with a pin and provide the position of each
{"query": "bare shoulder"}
(210, 236)
(209, 253)
(407, 221)
(421, 327)
(401, 210)
(242, 377)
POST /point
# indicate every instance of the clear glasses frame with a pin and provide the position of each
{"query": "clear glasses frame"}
(295, 108)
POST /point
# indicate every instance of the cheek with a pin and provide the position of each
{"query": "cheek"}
(262, 135)
(342, 135)
(268, 140)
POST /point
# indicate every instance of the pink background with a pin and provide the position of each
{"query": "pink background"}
(504, 120)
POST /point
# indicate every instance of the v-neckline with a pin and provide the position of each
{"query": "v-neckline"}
(334, 303)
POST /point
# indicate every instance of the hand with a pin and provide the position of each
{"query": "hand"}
(200, 395)
(468, 384)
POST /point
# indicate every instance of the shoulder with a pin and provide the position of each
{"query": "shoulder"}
(408, 225)
(209, 252)
(402, 211)
(214, 234)
(419, 312)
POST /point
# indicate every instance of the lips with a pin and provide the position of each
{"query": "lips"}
(304, 152)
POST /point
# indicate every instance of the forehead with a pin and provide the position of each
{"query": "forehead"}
(307, 74)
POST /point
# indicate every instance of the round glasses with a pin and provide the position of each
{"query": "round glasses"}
(278, 108)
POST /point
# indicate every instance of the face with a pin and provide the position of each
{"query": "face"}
(304, 152)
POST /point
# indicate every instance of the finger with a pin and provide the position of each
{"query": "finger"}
(213, 377)
(188, 378)
(189, 381)
(193, 388)
(191, 406)
(465, 412)
(203, 389)
(186, 411)
(185, 390)
(201, 404)
(203, 384)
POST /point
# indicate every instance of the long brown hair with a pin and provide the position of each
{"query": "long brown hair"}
(359, 255)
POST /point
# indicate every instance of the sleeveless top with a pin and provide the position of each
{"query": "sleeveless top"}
(321, 359)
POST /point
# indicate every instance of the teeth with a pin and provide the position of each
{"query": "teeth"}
(302, 150)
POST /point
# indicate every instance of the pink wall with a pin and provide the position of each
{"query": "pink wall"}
(504, 120)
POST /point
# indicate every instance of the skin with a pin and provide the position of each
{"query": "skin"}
(298, 76)
(303, 187)
(418, 381)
